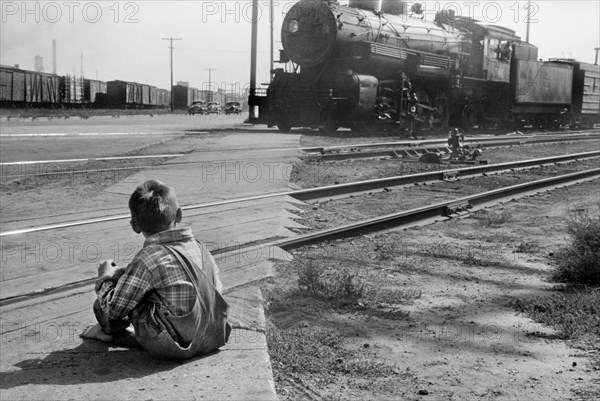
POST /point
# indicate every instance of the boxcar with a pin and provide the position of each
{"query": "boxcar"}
(92, 89)
(586, 93)
(180, 97)
(21, 87)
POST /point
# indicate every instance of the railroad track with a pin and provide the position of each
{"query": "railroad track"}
(332, 191)
(439, 211)
(419, 148)
(400, 149)
(419, 216)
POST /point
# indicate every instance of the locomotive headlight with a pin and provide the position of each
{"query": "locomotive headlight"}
(293, 26)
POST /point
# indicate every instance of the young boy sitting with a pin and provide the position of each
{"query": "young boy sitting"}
(170, 291)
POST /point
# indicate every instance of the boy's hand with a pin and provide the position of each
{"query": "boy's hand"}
(118, 273)
(107, 268)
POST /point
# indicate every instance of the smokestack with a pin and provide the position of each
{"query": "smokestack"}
(82, 64)
(369, 5)
(54, 56)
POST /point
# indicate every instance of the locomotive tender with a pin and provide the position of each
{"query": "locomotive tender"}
(370, 66)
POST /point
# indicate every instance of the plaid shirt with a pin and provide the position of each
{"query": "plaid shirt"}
(154, 267)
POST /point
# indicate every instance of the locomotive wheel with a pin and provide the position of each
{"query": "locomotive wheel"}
(283, 125)
(368, 127)
(440, 115)
(330, 124)
(470, 119)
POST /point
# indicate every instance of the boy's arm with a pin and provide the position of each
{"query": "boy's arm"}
(209, 260)
(120, 293)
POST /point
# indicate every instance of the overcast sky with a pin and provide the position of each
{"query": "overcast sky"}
(122, 40)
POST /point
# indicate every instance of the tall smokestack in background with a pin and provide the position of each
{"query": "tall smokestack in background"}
(82, 64)
(54, 56)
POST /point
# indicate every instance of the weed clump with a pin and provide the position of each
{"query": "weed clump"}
(579, 261)
(494, 219)
(344, 285)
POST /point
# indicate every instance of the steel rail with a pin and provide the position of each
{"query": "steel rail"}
(346, 189)
(431, 213)
(441, 147)
(443, 210)
(92, 159)
(419, 142)
(380, 183)
(422, 142)
(411, 148)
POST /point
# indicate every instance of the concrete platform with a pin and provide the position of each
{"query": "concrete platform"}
(41, 355)
(46, 360)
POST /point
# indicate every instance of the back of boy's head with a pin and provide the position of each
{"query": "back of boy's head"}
(153, 206)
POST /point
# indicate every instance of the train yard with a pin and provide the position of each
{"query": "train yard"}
(410, 209)
(237, 194)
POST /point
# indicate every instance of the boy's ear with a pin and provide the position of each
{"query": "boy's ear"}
(178, 216)
(135, 226)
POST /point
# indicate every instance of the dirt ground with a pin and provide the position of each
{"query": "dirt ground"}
(436, 319)
(444, 319)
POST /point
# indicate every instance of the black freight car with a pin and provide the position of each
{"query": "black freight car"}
(94, 92)
(128, 95)
(180, 97)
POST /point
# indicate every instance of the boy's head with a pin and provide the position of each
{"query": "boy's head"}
(154, 208)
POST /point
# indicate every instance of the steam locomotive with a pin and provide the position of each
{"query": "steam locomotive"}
(375, 65)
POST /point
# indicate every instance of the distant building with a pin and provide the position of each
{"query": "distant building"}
(183, 83)
(39, 63)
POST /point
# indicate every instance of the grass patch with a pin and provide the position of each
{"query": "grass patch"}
(293, 352)
(494, 219)
(344, 285)
(579, 261)
(573, 312)
(527, 247)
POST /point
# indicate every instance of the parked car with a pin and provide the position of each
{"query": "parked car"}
(233, 108)
(214, 107)
(197, 107)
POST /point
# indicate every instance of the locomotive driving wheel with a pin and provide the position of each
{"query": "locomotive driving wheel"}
(471, 118)
(283, 124)
(440, 115)
(330, 124)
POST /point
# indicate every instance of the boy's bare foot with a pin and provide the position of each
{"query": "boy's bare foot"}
(94, 332)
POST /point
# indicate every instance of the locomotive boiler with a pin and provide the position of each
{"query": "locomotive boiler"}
(377, 65)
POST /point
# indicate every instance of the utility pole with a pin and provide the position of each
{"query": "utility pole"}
(528, 21)
(271, 18)
(171, 47)
(210, 70)
(253, 57)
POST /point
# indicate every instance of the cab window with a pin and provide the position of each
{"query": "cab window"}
(493, 47)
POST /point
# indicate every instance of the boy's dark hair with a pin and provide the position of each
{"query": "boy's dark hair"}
(153, 206)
